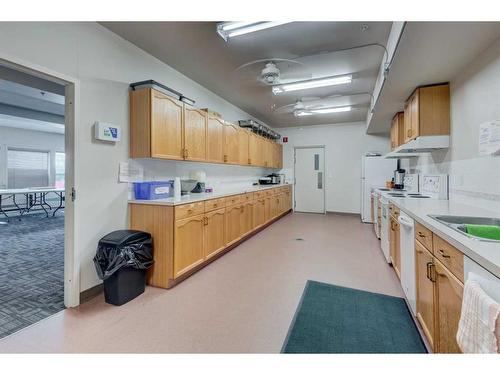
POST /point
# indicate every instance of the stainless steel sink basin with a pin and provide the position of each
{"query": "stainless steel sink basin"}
(457, 223)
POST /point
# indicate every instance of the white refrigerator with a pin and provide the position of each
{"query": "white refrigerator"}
(375, 171)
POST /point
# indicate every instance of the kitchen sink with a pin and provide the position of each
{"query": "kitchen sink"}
(458, 223)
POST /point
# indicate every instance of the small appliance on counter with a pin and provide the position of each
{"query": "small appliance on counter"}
(200, 177)
(272, 179)
(399, 178)
(187, 186)
(265, 181)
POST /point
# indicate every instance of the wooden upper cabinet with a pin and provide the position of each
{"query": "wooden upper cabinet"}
(156, 125)
(188, 244)
(253, 149)
(231, 138)
(278, 162)
(425, 291)
(243, 155)
(448, 296)
(427, 112)
(215, 140)
(166, 127)
(195, 134)
(397, 130)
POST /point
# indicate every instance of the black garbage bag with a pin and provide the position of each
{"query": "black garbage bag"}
(123, 248)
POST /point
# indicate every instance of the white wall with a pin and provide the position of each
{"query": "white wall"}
(105, 64)
(475, 98)
(28, 139)
(344, 146)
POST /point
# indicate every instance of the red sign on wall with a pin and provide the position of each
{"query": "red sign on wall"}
(285, 139)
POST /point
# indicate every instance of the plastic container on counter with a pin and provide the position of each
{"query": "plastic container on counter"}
(154, 190)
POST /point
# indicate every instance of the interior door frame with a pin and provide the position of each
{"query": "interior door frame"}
(324, 173)
(71, 121)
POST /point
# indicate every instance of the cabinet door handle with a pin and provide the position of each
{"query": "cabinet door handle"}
(428, 270)
(187, 153)
(443, 254)
(433, 272)
(409, 132)
(421, 235)
(225, 158)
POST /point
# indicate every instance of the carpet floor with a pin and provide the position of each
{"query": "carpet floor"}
(31, 271)
(334, 319)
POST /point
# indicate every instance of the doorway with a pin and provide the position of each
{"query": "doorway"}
(309, 172)
(36, 178)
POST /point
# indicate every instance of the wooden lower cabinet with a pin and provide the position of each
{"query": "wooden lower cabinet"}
(425, 291)
(268, 209)
(246, 218)
(439, 291)
(259, 212)
(215, 232)
(188, 244)
(448, 295)
(188, 236)
(233, 231)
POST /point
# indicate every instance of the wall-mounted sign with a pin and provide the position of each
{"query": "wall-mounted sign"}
(107, 132)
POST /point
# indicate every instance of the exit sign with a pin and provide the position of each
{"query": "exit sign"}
(285, 139)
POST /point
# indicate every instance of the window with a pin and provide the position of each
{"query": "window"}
(27, 169)
(60, 168)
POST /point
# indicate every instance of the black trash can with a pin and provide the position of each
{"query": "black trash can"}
(121, 261)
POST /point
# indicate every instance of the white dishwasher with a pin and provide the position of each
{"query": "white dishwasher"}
(407, 248)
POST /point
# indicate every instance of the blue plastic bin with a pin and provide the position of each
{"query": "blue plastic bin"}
(154, 190)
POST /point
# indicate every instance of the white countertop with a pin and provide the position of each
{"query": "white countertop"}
(485, 253)
(197, 197)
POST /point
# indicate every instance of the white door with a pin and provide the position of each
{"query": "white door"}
(309, 174)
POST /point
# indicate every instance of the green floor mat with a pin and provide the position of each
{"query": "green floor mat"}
(334, 319)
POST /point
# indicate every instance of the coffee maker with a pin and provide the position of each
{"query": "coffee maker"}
(399, 177)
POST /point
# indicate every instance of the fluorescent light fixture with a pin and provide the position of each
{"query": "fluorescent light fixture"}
(313, 83)
(331, 110)
(310, 112)
(231, 29)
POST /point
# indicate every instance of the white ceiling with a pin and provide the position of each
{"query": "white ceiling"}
(429, 52)
(29, 102)
(195, 49)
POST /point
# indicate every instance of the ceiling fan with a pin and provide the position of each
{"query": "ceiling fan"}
(315, 103)
(272, 71)
(304, 104)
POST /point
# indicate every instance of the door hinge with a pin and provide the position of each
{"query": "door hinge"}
(73, 194)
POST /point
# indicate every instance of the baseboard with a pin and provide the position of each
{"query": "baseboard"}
(90, 293)
(343, 213)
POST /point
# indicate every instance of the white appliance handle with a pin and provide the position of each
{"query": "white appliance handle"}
(406, 223)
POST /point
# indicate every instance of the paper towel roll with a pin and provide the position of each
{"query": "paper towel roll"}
(177, 189)
(199, 176)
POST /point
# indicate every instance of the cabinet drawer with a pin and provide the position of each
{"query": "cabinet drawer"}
(233, 199)
(452, 258)
(259, 194)
(215, 204)
(248, 197)
(424, 236)
(187, 210)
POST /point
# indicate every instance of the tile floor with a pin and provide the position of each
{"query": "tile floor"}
(242, 303)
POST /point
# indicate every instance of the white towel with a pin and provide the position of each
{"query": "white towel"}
(478, 330)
